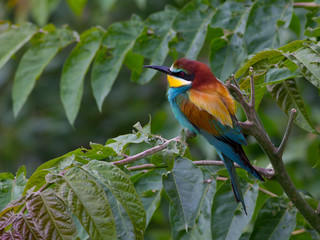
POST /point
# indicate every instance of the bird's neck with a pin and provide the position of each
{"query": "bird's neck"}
(174, 92)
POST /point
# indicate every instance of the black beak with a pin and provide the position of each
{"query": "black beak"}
(163, 69)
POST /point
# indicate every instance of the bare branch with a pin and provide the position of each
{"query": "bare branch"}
(235, 81)
(237, 94)
(285, 138)
(318, 209)
(297, 232)
(252, 94)
(145, 153)
(266, 172)
(271, 194)
(145, 166)
(306, 4)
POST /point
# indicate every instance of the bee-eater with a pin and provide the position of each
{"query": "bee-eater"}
(203, 105)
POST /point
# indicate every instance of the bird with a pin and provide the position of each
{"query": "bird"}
(203, 105)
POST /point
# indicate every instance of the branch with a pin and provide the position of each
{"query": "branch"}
(252, 96)
(266, 172)
(146, 153)
(285, 138)
(306, 4)
(260, 189)
(274, 154)
(318, 209)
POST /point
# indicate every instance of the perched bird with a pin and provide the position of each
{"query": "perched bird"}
(203, 105)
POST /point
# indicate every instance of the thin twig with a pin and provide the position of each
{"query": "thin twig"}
(267, 192)
(235, 81)
(318, 209)
(260, 189)
(285, 138)
(306, 4)
(146, 153)
(297, 232)
(145, 166)
(266, 172)
(252, 94)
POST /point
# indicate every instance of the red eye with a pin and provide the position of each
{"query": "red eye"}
(181, 74)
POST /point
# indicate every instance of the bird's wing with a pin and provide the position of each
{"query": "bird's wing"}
(209, 112)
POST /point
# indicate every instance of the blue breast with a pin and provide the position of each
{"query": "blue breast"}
(173, 93)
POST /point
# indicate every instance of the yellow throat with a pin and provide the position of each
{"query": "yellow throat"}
(177, 82)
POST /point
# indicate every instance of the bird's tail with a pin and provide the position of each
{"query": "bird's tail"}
(234, 181)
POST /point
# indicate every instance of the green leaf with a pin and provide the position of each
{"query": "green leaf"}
(262, 12)
(201, 228)
(226, 54)
(46, 207)
(308, 62)
(149, 188)
(45, 46)
(40, 11)
(276, 75)
(77, 6)
(13, 39)
(228, 219)
(11, 188)
(253, 60)
(120, 143)
(153, 42)
(88, 201)
(74, 70)
(122, 188)
(191, 24)
(185, 178)
(276, 220)
(117, 42)
(286, 95)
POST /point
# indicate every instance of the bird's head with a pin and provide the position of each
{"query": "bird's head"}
(185, 72)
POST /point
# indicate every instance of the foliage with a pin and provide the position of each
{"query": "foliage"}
(86, 193)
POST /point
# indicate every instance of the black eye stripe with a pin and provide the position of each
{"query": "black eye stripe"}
(185, 76)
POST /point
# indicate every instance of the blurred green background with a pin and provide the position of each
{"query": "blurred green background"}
(41, 131)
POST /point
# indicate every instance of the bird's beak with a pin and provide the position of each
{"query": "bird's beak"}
(163, 69)
(172, 80)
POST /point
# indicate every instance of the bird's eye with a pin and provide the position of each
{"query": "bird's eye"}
(181, 74)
